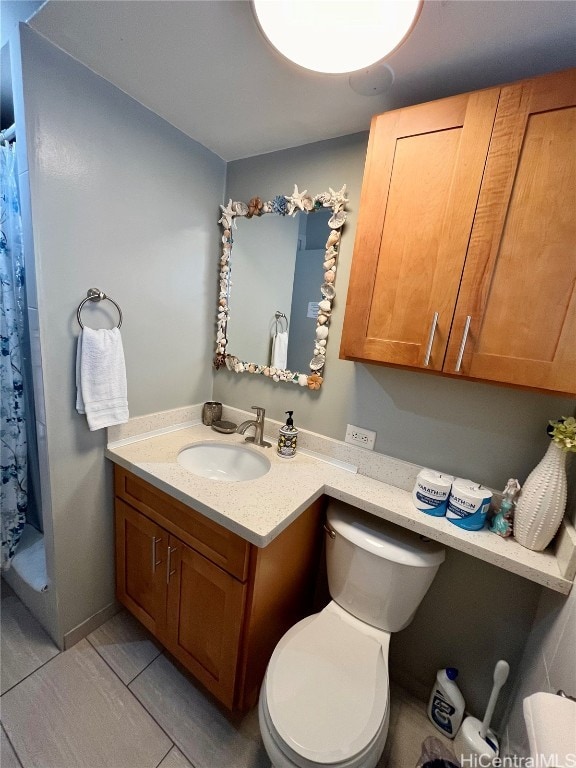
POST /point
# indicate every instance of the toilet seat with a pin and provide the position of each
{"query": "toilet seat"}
(326, 691)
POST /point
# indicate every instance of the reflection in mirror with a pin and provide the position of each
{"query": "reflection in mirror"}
(282, 268)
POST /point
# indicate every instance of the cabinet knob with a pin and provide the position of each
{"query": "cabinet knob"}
(463, 344)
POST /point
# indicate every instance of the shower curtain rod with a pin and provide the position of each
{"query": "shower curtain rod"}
(8, 134)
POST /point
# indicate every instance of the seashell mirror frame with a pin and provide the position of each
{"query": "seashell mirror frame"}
(282, 205)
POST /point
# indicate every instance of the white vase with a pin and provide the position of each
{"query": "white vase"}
(542, 502)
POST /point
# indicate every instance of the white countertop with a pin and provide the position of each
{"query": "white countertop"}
(258, 510)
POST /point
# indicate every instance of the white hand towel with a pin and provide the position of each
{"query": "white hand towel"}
(280, 350)
(79, 401)
(101, 390)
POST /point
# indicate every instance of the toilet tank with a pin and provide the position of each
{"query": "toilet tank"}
(377, 571)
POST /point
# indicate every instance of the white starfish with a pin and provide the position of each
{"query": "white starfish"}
(295, 201)
(228, 218)
(339, 198)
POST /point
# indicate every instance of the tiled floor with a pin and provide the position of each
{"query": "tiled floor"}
(115, 700)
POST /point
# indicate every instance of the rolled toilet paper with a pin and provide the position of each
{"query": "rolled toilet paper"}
(431, 492)
(468, 504)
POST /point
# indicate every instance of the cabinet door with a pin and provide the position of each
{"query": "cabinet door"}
(204, 620)
(140, 566)
(423, 174)
(519, 284)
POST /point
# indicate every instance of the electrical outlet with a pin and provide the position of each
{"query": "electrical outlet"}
(365, 438)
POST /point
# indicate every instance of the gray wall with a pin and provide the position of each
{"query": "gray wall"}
(548, 664)
(473, 615)
(124, 202)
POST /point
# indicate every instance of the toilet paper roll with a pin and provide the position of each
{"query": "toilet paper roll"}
(468, 505)
(462, 484)
(431, 492)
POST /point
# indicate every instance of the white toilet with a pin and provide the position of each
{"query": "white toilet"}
(325, 697)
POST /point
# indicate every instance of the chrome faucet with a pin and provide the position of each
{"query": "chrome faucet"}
(258, 424)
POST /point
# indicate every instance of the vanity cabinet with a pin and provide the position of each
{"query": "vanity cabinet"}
(218, 603)
(465, 254)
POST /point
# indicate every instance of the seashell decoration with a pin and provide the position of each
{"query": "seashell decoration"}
(333, 239)
(296, 201)
(254, 207)
(337, 220)
(228, 215)
(240, 208)
(281, 205)
(328, 291)
(338, 200)
(315, 381)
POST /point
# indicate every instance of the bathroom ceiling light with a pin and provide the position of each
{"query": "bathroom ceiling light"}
(336, 36)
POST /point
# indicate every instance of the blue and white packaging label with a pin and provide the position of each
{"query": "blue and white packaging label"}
(468, 505)
(442, 712)
(431, 492)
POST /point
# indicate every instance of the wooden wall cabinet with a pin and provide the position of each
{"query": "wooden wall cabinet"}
(465, 254)
(218, 603)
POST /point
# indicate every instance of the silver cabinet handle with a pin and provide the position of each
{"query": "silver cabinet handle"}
(154, 561)
(431, 339)
(170, 572)
(463, 343)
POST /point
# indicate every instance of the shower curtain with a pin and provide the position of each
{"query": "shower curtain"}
(13, 441)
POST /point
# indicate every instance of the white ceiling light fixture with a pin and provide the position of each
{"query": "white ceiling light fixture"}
(336, 36)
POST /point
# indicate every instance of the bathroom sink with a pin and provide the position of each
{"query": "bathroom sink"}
(223, 461)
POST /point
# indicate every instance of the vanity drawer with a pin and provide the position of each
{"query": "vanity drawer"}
(222, 547)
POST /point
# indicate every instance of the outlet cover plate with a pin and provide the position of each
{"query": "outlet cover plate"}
(365, 438)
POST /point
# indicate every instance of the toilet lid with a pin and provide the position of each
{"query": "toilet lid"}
(327, 689)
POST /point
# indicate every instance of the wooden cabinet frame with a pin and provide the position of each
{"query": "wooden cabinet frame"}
(496, 258)
(218, 603)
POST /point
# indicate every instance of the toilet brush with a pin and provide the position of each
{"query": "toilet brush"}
(475, 737)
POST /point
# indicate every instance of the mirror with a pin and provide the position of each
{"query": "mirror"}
(280, 259)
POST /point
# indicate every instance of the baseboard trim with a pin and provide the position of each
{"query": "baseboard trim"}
(93, 622)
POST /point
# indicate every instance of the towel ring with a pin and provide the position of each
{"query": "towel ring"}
(95, 294)
(278, 317)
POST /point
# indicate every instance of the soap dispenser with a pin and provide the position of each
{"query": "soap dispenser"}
(287, 438)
